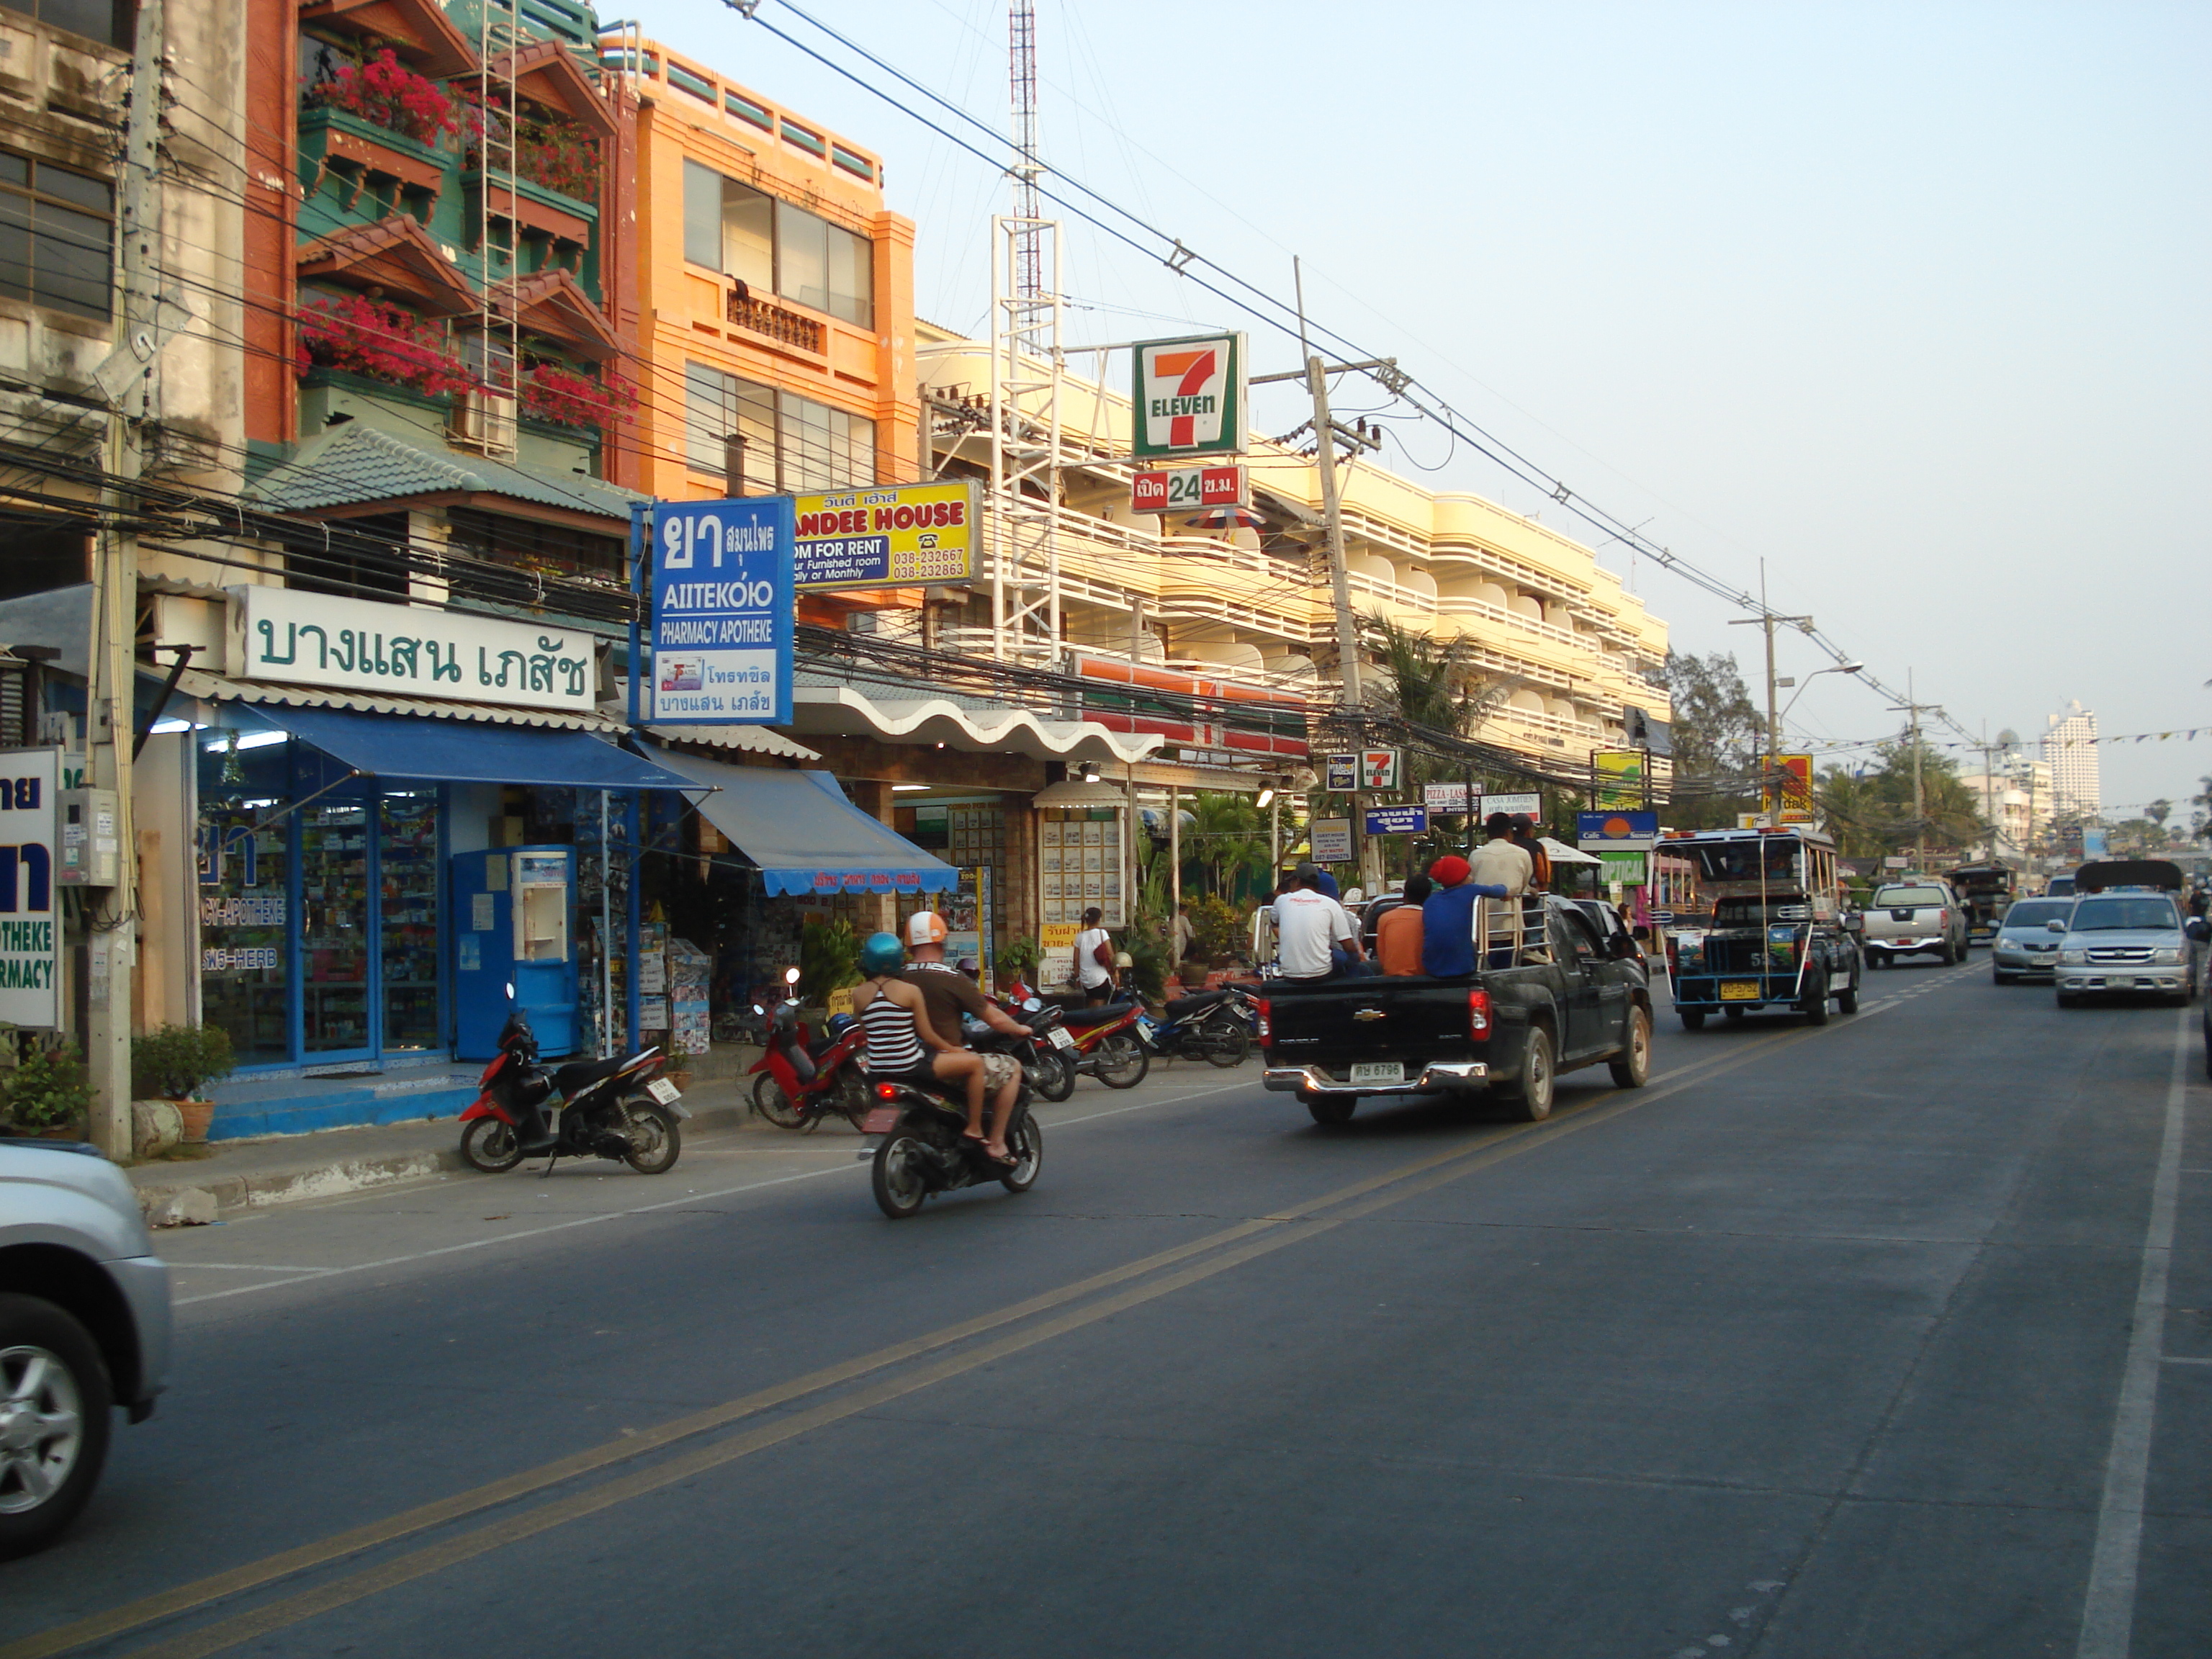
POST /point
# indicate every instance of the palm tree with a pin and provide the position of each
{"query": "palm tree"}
(1230, 838)
(1431, 682)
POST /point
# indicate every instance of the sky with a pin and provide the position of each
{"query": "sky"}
(1908, 301)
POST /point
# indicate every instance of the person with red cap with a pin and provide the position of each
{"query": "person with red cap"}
(1447, 918)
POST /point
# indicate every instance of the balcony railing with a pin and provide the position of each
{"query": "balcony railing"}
(785, 327)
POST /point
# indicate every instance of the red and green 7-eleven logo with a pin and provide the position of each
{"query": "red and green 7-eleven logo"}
(1190, 397)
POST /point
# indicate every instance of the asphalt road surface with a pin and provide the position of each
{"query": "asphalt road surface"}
(1893, 1338)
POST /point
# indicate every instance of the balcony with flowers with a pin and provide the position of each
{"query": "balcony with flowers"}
(372, 125)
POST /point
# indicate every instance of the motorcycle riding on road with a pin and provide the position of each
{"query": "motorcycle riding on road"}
(621, 1110)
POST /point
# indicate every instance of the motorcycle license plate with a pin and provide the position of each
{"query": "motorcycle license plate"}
(664, 1091)
(1379, 1071)
(880, 1121)
(1060, 1038)
(1739, 990)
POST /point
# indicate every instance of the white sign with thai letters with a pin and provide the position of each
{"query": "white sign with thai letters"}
(407, 651)
(30, 906)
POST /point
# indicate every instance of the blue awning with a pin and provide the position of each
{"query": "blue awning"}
(466, 751)
(804, 834)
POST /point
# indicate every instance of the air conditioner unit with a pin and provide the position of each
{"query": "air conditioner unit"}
(485, 420)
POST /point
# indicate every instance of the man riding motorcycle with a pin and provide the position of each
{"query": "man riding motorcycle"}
(949, 994)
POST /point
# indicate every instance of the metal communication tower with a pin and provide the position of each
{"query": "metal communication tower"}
(1026, 366)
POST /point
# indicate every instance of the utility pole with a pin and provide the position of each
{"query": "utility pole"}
(1765, 621)
(1913, 710)
(110, 673)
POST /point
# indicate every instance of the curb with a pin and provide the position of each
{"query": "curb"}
(261, 1190)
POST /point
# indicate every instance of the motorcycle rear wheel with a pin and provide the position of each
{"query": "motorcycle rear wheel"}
(1055, 1075)
(1228, 1046)
(898, 1175)
(1122, 1061)
(656, 1140)
(777, 1107)
(490, 1145)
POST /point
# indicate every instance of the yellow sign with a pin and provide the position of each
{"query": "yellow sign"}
(893, 535)
(1796, 789)
(1057, 935)
(1619, 776)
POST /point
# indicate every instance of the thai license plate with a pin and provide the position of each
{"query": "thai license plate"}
(880, 1121)
(2122, 981)
(1060, 1038)
(664, 1091)
(1739, 990)
(1379, 1071)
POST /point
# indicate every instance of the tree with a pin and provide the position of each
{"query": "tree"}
(1228, 837)
(1717, 737)
(1870, 812)
(1439, 684)
(2158, 811)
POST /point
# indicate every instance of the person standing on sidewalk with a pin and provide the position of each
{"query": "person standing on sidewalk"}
(1094, 958)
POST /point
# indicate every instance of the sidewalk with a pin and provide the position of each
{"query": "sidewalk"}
(241, 1173)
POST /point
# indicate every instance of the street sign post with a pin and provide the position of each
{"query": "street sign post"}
(1397, 821)
(722, 612)
(1190, 397)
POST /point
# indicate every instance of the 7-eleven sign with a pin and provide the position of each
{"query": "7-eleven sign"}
(1190, 397)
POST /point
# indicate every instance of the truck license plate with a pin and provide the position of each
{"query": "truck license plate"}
(1739, 990)
(1379, 1071)
(664, 1091)
(2123, 982)
(1059, 1038)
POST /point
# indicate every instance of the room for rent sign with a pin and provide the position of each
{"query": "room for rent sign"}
(1190, 397)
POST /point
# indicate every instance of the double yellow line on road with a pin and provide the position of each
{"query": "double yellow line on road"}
(1164, 1273)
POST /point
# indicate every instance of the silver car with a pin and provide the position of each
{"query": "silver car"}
(2025, 947)
(2122, 943)
(84, 1327)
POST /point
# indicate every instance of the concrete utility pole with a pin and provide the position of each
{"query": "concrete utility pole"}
(1766, 622)
(111, 933)
(1913, 710)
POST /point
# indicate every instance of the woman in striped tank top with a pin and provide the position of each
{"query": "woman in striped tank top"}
(900, 1037)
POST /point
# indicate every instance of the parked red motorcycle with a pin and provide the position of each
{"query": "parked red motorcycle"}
(1109, 1042)
(621, 1110)
(800, 1079)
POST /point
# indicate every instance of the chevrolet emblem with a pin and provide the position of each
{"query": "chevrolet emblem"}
(1370, 1013)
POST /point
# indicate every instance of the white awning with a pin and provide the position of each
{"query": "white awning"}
(842, 711)
(215, 688)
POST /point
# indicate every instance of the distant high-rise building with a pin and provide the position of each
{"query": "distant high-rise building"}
(2070, 749)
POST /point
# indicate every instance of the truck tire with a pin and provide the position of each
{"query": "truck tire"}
(1694, 1019)
(1330, 1111)
(1950, 955)
(1847, 1000)
(1632, 1068)
(1815, 1005)
(1530, 1091)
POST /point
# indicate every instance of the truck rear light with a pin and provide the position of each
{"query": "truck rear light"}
(1477, 1014)
(1264, 1010)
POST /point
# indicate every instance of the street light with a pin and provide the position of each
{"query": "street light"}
(1839, 668)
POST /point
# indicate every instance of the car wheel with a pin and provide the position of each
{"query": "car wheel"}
(55, 1418)
(1632, 1069)
(1330, 1111)
(1694, 1019)
(1533, 1086)
(1950, 955)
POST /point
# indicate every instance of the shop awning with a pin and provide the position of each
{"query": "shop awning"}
(452, 751)
(804, 834)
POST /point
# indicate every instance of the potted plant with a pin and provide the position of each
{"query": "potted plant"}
(48, 1094)
(828, 960)
(174, 1062)
(677, 1070)
(1018, 960)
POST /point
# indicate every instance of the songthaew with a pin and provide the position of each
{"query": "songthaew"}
(1778, 937)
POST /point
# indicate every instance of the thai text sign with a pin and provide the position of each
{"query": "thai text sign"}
(30, 930)
(1190, 397)
(1397, 820)
(407, 651)
(1187, 488)
(1450, 799)
(722, 611)
(896, 536)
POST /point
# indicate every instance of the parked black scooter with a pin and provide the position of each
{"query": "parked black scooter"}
(619, 1109)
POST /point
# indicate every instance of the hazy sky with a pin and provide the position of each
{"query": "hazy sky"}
(1910, 300)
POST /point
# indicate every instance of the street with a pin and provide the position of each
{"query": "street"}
(1856, 1340)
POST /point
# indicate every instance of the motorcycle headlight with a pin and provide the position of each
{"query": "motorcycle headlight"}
(2169, 957)
(2074, 958)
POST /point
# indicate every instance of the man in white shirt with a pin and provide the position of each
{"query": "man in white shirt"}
(1309, 926)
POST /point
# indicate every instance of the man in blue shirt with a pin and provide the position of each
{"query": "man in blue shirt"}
(1447, 919)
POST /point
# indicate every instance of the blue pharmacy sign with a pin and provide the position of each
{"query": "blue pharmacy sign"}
(722, 612)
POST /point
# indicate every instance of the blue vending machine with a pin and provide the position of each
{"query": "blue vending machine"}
(514, 922)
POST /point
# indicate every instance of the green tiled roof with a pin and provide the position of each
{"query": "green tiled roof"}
(358, 463)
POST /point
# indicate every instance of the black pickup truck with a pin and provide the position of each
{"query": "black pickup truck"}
(1571, 998)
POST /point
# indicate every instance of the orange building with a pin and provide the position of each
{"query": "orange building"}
(775, 294)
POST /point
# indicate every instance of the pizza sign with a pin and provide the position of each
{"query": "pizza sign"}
(1190, 397)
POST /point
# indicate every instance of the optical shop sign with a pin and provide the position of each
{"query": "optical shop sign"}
(722, 612)
(30, 941)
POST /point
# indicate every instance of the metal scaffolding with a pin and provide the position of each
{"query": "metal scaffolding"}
(1024, 507)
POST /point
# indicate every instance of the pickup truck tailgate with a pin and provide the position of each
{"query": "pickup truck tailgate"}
(1347, 1021)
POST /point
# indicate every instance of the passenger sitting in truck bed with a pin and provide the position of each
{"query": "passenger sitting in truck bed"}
(1309, 926)
(1448, 916)
(1398, 930)
(1501, 861)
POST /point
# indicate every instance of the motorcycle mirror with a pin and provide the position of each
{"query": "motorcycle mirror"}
(758, 1009)
(510, 990)
(791, 977)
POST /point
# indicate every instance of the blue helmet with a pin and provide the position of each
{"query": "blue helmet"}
(882, 954)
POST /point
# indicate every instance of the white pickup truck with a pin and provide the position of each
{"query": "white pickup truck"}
(1914, 918)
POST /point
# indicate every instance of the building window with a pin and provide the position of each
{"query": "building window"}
(775, 248)
(792, 443)
(108, 22)
(57, 236)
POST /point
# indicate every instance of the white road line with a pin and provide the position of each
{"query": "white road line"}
(2108, 1610)
(251, 1267)
(2178, 1359)
(302, 1276)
